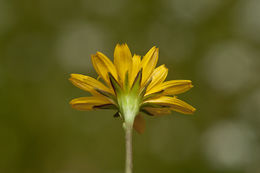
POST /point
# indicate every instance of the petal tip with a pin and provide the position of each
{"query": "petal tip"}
(73, 75)
(192, 110)
(121, 45)
(93, 55)
(71, 102)
(190, 84)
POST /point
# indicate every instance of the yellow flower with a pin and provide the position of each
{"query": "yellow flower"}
(131, 85)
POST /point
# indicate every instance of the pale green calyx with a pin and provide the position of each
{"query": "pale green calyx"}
(129, 104)
(128, 98)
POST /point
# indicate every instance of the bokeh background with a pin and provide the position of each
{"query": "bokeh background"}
(213, 43)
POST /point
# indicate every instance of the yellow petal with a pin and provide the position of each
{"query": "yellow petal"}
(88, 84)
(103, 65)
(139, 124)
(173, 103)
(157, 111)
(122, 60)
(88, 103)
(158, 76)
(109, 65)
(149, 62)
(172, 87)
(176, 86)
(135, 68)
(182, 107)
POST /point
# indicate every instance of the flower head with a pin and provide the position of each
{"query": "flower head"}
(131, 85)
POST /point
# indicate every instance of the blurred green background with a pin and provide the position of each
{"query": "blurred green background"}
(213, 43)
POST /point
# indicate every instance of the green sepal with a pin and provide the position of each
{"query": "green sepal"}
(137, 82)
(146, 112)
(115, 84)
(116, 115)
(107, 94)
(154, 105)
(143, 91)
(152, 95)
(126, 84)
(105, 106)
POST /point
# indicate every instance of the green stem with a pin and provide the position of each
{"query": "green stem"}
(129, 151)
(129, 107)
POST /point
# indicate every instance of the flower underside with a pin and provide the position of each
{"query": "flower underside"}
(131, 85)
